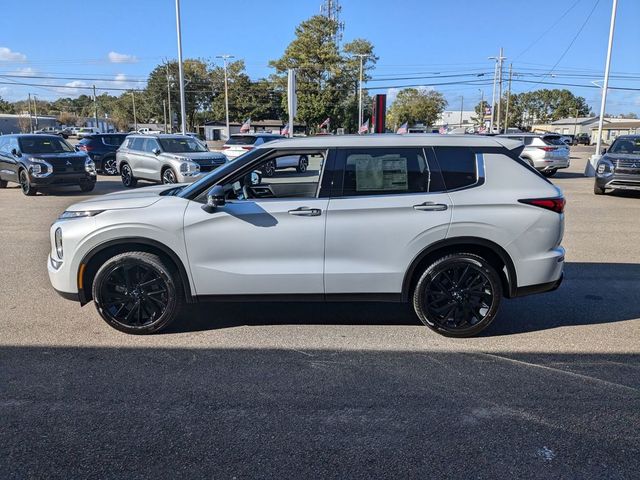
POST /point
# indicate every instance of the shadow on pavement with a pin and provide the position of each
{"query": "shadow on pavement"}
(592, 293)
(260, 413)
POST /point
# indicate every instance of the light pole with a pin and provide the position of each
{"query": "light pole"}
(183, 109)
(226, 89)
(135, 120)
(590, 168)
(493, 94)
(35, 108)
(461, 108)
(361, 55)
(481, 107)
(95, 107)
(169, 99)
(30, 116)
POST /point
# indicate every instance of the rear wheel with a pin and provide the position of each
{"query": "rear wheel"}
(109, 166)
(128, 180)
(549, 173)
(303, 163)
(25, 184)
(458, 295)
(3, 183)
(597, 190)
(269, 168)
(169, 176)
(135, 292)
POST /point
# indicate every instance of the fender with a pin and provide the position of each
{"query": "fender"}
(452, 242)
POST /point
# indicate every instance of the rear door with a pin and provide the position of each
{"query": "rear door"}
(388, 205)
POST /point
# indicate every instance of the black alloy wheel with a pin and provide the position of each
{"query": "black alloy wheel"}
(270, 168)
(303, 163)
(169, 176)
(597, 190)
(109, 166)
(549, 173)
(136, 293)
(25, 184)
(128, 180)
(458, 295)
(87, 186)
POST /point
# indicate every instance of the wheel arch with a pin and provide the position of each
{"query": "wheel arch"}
(96, 257)
(491, 251)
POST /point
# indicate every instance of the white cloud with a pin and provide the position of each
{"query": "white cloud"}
(121, 78)
(26, 71)
(73, 88)
(7, 55)
(115, 57)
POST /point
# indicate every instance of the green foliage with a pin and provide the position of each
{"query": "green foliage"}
(6, 107)
(416, 106)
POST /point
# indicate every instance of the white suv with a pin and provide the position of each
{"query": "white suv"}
(546, 153)
(451, 224)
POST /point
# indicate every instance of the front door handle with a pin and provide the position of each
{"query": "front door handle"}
(305, 212)
(431, 207)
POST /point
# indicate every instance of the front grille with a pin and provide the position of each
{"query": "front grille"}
(209, 164)
(631, 167)
(64, 168)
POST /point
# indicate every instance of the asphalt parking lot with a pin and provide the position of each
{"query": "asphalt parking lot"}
(550, 390)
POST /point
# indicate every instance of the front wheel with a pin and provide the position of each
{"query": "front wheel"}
(135, 292)
(169, 176)
(25, 184)
(549, 173)
(597, 190)
(458, 295)
(109, 166)
(128, 180)
(269, 168)
(88, 186)
(3, 183)
(303, 164)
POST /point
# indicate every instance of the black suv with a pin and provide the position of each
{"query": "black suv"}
(102, 147)
(37, 162)
(582, 139)
(619, 167)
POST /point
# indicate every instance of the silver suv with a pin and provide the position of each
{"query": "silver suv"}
(546, 153)
(164, 159)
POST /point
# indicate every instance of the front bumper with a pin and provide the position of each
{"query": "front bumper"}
(61, 179)
(618, 181)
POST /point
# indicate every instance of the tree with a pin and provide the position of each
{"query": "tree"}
(414, 105)
(6, 107)
(24, 122)
(480, 110)
(67, 118)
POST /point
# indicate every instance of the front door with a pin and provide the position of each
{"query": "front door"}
(268, 238)
(391, 205)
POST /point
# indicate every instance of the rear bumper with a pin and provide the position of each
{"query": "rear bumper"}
(540, 288)
(552, 164)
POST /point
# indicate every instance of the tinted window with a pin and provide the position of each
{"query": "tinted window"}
(383, 171)
(242, 140)
(113, 140)
(182, 145)
(458, 166)
(626, 146)
(44, 145)
(136, 143)
(150, 144)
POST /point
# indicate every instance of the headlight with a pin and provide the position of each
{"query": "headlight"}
(40, 167)
(605, 167)
(58, 241)
(189, 168)
(89, 166)
(79, 214)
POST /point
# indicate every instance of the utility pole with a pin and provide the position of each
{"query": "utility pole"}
(135, 120)
(35, 108)
(500, 59)
(164, 113)
(481, 108)
(361, 55)
(169, 99)
(590, 168)
(95, 106)
(506, 115)
(30, 116)
(226, 89)
(461, 109)
(575, 125)
(493, 96)
(183, 108)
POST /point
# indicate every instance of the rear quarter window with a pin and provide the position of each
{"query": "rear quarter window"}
(458, 166)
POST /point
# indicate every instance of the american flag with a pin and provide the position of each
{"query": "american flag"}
(442, 130)
(325, 123)
(285, 130)
(404, 128)
(246, 126)
(364, 128)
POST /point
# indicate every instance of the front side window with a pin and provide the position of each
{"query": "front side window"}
(386, 171)
(150, 144)
(182, 145)
(44, 145)
(458, 166)
(136, 143)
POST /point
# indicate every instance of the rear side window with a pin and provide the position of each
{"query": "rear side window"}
(136, 143)
(458, 166)
(113, 140)
(553, 140)
(242, 140)
(385, 171)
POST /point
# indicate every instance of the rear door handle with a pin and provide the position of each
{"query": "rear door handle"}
(305, 212)
(431, 207)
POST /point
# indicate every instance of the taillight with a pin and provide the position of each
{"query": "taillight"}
(224, 147)
(85, 148)
(548, 149)
(247, 148)
(555, 204)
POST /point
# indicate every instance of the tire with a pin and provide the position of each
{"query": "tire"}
(25, 184)
(549, 173)
(446, 307)
(303, 164)
(126, 174)
(597, 190)
(269, 169)
(528, 160)
(135, 292)
(168, 176)
(87, 187)
(3, 183)
(109, 166)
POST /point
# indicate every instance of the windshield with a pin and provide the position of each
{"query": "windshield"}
(182, 145)
(626, 146)
(44, 145)
(242, 140)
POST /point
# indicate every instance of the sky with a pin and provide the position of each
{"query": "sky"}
(430, 43)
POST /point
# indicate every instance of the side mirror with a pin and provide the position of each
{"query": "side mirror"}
(215, 199)
(603, 151)
(255, 178)
(15, 152)
(156, 151)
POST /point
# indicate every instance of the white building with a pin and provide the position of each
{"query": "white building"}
(456, 118)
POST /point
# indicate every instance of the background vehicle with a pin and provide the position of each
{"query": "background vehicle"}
(583, 139)
(619, 167)
(102, 148)
(148, 131)
(164, 159)
(86, 131)
(37, 162)
(567, 139)
(240, 143)
(547, 153)
(451, 224)
(52, 131)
